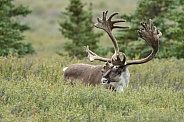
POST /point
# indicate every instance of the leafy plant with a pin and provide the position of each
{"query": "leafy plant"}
(11, 29)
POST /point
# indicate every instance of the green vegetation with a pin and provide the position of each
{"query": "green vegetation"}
(78, 26)
(168, 17)
(34, 90)
(44, 33)
(11, 30)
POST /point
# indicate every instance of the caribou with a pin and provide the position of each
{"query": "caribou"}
(114, 74)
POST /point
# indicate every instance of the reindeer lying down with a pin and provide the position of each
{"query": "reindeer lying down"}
(114, 74)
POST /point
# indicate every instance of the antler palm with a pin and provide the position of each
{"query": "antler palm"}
(150, 34)
(108, 24)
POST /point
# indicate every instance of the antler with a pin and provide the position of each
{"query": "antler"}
(92, 56)
(108, 25)
(151, 35)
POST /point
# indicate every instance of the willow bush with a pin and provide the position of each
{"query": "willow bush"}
(32, 89)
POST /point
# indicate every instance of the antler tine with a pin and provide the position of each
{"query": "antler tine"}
(144, 25)
(105, 15)
(99, 20)
(92, 56)
(120, 27)
(111, 16)
(151, 35)
(159, 33)
(116, 21)
(151, 24)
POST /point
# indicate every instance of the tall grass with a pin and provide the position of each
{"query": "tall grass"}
(34, 90)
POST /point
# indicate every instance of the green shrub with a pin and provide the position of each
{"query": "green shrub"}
(32, 89)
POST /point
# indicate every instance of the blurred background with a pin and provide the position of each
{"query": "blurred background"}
(43, 21)
(56, 29)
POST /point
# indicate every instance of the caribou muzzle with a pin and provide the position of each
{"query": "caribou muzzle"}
(104, 80)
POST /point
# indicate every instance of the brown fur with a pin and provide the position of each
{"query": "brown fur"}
(88, 74)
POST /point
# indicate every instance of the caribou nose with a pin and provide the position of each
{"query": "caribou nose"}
(104, 80)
